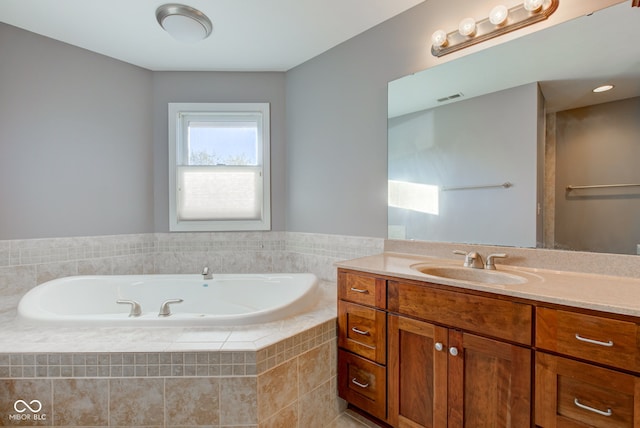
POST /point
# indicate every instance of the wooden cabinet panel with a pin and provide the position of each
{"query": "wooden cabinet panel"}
(575, 394)
(493, 317)
(593, 338)
(362, 330)
(417, 374)
(489, 383)
(362, 383)
(363, 289)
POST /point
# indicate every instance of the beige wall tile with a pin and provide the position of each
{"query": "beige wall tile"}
(287, 417)
(318, 407)
(238, 401)
(81, 402)
(314, 368)
(277, 388)
(192, 401)
(12, 390)
(136, 402)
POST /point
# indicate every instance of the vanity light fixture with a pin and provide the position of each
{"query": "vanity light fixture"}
(500, 21)
(184, 23)
(603, 88)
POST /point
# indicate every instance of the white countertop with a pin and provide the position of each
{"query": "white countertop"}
(619, 295)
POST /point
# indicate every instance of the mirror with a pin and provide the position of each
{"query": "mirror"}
(482, 148)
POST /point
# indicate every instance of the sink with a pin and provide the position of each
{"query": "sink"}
(470, 274)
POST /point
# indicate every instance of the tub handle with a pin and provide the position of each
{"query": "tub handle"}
(165, 311)
(136, 309)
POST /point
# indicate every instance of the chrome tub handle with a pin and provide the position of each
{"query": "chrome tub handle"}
(136, 309)
(165, 311)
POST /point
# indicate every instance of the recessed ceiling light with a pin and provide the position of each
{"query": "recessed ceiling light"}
(603, 88)
(184, 23)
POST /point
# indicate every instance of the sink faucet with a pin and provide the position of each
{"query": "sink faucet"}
(206, 274)
(489, 264)
(471, 259)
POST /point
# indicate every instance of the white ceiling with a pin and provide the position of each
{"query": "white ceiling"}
(248, 35)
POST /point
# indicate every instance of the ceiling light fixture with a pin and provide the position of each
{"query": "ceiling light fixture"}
(184, 23)
(500, 21)
(603, 88)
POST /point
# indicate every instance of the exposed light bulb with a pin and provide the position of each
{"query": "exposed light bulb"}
(498, 15)
(533, 5)
(603, 88)
(467, 27)
(439, 38)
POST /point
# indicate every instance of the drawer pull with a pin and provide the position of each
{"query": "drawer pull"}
(361, 385)
(359, 290)
(594, 342)
(591, 409)
(357, 330)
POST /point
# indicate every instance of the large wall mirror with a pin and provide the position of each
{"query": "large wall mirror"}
(510, 146)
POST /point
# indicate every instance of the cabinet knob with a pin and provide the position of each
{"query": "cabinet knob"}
(439, 346)
(453, 351)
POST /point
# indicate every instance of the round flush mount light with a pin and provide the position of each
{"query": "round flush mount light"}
(603, 88)
(184, 23)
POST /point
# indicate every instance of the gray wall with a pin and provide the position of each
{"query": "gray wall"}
(336, 113)
(75, 141)
(218, 87)
(82, 135)
(596, 145)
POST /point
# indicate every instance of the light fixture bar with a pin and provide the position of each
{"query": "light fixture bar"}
(518, 17)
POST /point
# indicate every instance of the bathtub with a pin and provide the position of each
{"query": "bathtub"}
(226, 299)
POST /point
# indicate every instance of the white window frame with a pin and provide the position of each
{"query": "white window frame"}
(177, 143)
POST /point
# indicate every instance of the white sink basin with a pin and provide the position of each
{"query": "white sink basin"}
(471, 275)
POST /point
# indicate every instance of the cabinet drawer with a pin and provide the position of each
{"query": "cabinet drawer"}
(362, 330)
(362, 383)
(571, 393)
(484, 315)
(593, 338)
(363, 289)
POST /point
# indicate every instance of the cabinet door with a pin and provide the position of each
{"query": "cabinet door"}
(489, 383)
(417, 373)
(574, 394)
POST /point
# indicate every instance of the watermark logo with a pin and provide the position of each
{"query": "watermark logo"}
(27, 411)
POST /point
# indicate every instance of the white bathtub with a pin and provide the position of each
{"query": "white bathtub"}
(224, 300)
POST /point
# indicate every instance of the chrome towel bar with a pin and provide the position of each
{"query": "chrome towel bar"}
(505, 185)
(600, 186)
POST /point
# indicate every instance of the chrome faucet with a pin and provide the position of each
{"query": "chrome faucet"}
(489, 263)
(136, 309)
(471, 259)
(474, 259)
(165, 311)
(206, 273)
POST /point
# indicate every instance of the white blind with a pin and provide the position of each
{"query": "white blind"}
(219, 192)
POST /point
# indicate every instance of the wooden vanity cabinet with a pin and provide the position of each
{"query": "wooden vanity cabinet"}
(362, 342)
(586, 370)
(453, 359)
(447, 376)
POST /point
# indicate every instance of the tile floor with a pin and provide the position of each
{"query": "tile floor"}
(349, 419)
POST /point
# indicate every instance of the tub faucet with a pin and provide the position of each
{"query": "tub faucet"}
(136, 309)
(165, 311)
(471, 259)
(206, 274)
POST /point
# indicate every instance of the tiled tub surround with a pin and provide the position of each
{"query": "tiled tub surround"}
(274, 374)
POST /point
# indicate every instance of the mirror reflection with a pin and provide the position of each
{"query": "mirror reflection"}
(482, 149)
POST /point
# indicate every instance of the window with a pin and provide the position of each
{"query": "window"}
(219, 166)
